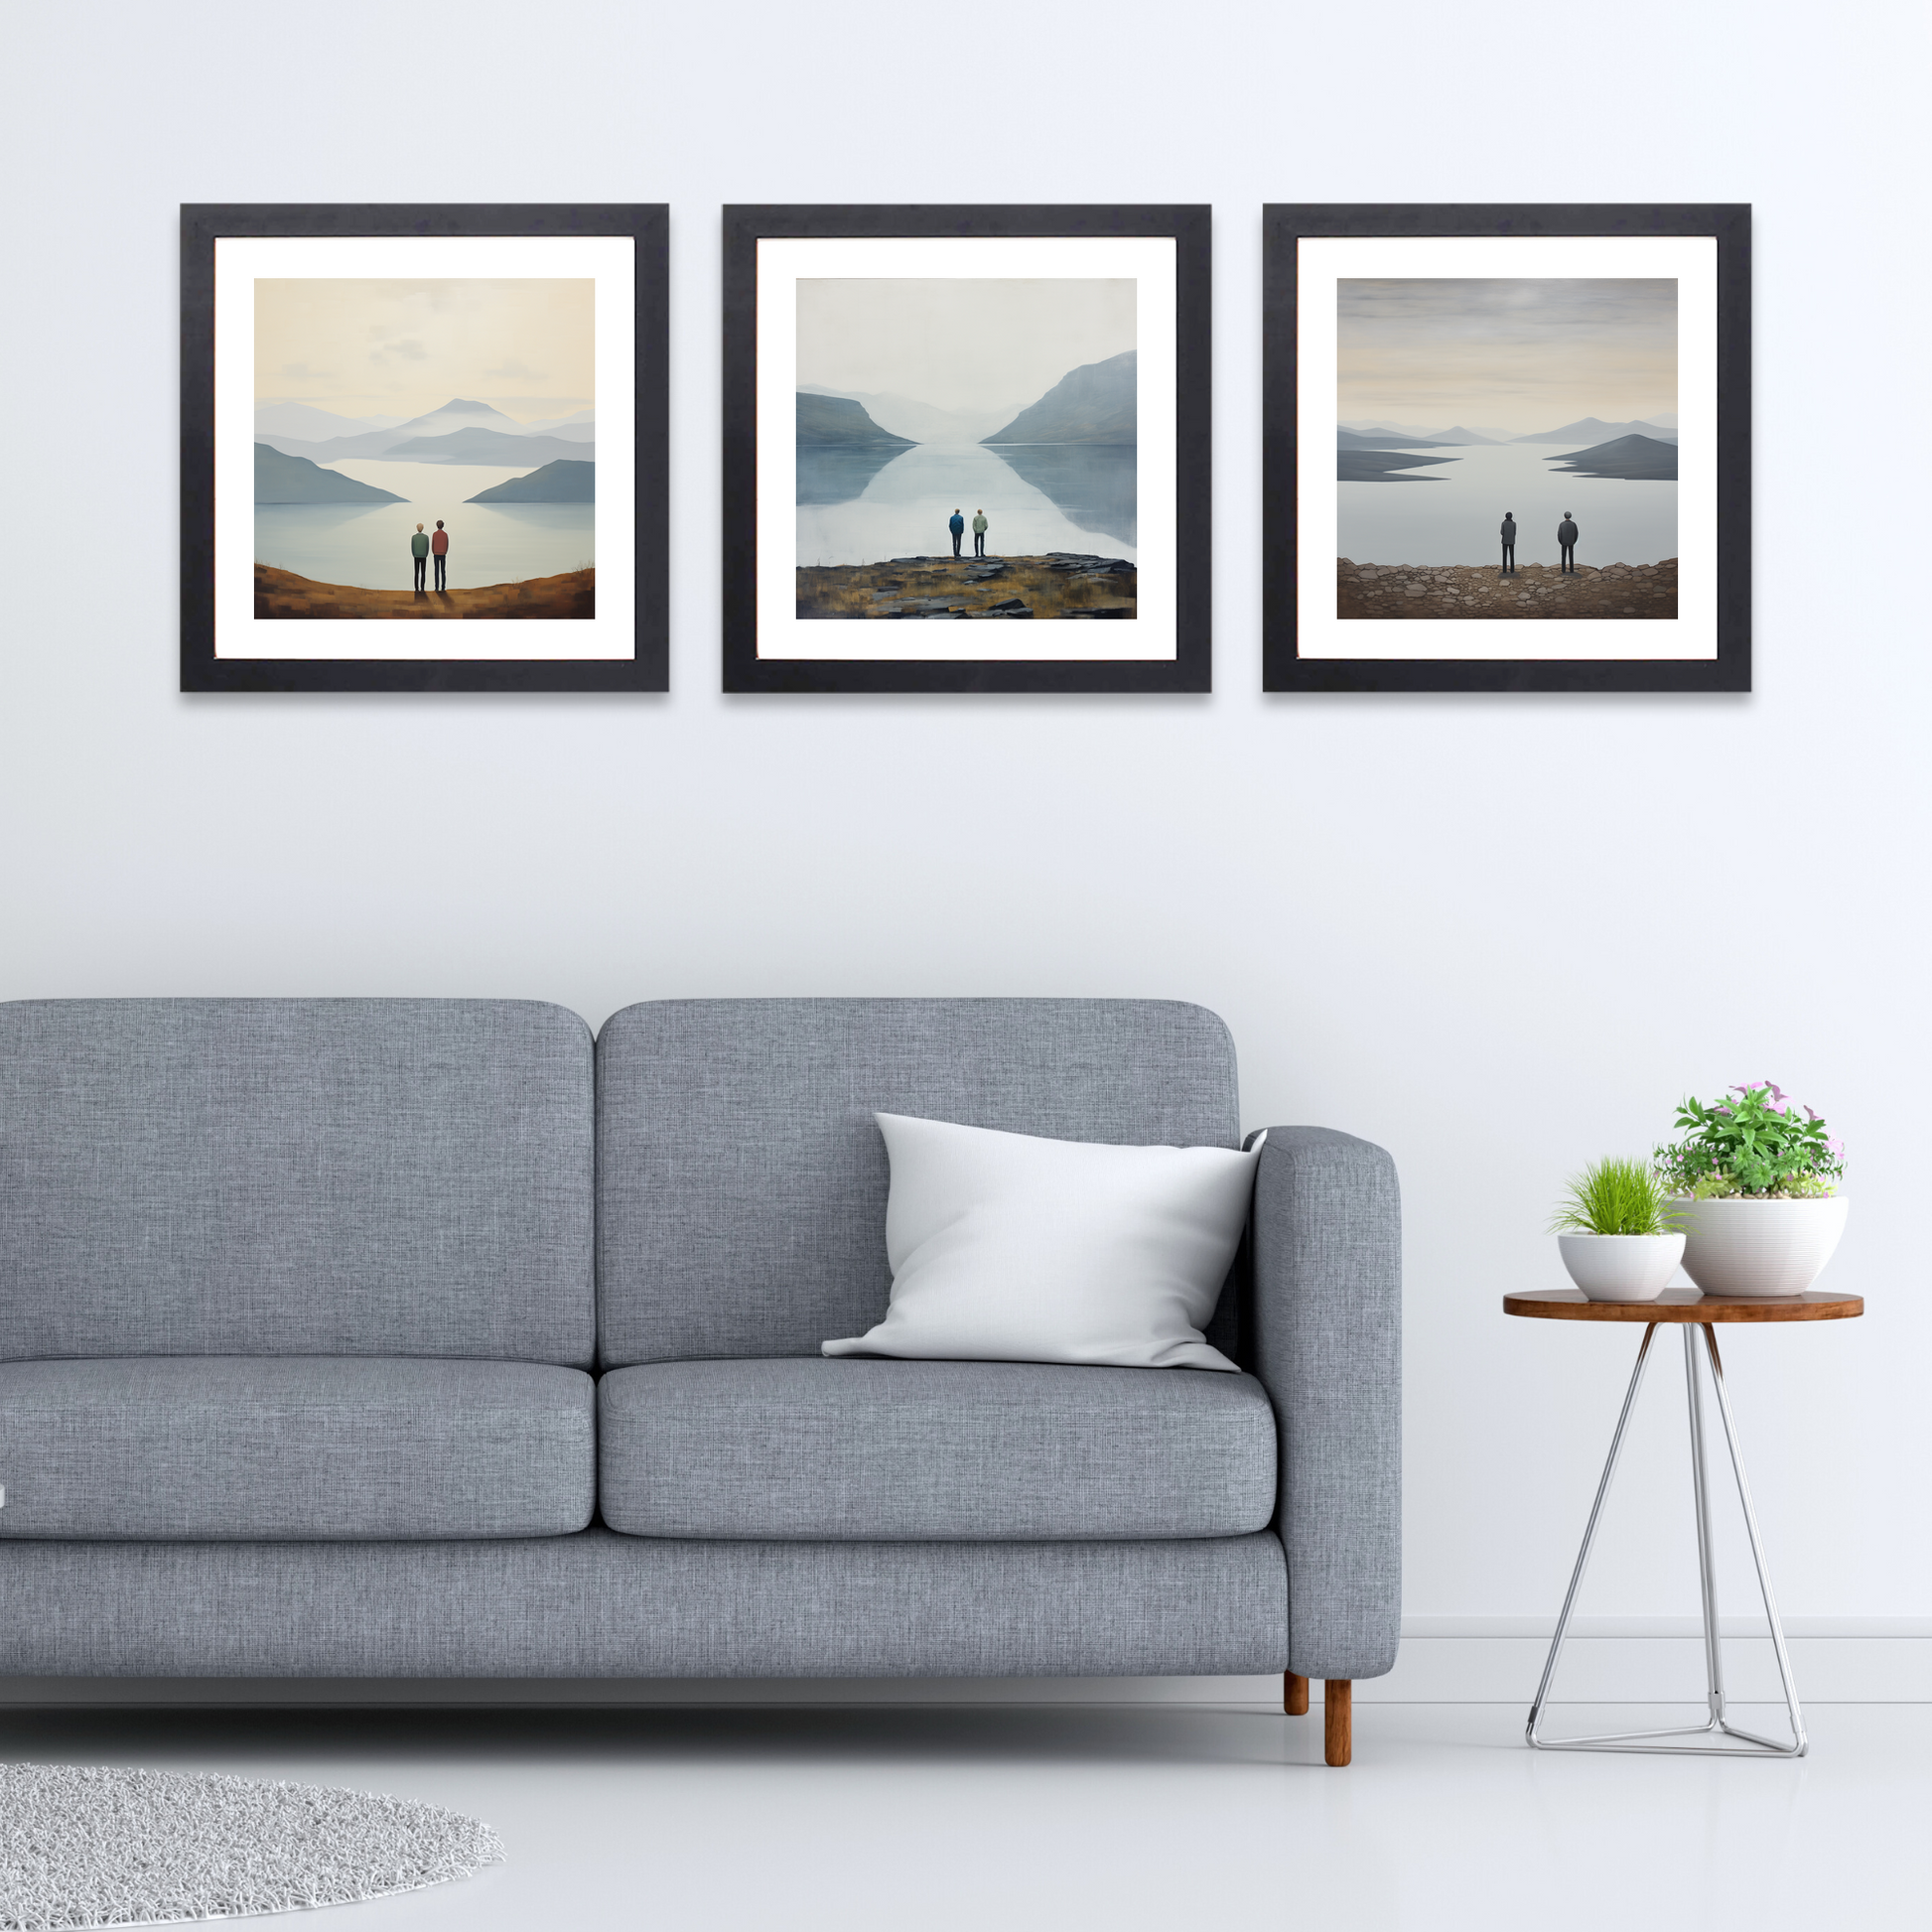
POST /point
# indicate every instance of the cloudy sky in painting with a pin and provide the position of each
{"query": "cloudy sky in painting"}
(402, 349)
(1519, 355)
(972, 344)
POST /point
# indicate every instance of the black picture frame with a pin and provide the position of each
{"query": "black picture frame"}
(646, 669)
(1189, 670)
(1284, 225)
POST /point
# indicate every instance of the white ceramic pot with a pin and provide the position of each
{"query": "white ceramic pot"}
(1621, 1267)
(1759, 1247)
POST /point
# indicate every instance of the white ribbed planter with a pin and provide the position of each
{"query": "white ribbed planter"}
(1759, 1247)
(1621, 1267)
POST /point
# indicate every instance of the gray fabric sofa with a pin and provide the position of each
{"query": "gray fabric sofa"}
(428, 1339)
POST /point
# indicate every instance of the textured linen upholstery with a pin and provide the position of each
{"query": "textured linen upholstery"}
(238, 1446)
(1327, 1343)
(855, 1449)
(603, 1605)
(741, 1179)
(295, 1177)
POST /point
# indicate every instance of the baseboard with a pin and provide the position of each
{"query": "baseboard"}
(1643, 1660)
(1443, 1660)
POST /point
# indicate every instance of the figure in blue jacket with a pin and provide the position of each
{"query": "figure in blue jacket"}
(957, 525)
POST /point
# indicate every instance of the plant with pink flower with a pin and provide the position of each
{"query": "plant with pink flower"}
(1754, 1145)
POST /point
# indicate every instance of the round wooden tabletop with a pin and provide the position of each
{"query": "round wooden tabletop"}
(1687, 1304)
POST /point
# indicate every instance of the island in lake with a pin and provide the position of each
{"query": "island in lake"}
(281, 479)
(1633, 459)
(564, 481)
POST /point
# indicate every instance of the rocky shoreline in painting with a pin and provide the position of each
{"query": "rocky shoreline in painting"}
(1481, 591)
(1062, 583)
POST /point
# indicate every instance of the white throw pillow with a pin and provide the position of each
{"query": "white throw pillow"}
(1007, 1248)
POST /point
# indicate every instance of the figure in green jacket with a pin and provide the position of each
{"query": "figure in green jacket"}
(419, 549)
(979, 534)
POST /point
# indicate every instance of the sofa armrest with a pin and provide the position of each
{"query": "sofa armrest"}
(1326, 1342)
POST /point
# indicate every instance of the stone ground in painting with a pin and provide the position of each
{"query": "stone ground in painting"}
(1062, 583)
(1480, 590)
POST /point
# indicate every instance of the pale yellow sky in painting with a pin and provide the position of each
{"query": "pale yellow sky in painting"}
(405, 347)
(1519, 355)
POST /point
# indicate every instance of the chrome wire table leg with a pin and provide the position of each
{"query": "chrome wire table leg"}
(1714, 1656)
(1589, 1538)
(1799, 1743)
(1716, 1723)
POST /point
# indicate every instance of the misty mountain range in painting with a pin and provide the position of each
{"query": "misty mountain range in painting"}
(1588, 430)
(461, 431)
(1095, 403)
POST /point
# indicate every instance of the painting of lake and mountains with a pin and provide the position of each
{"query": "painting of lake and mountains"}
(967, 448)
(424, 449)
(1506, 448)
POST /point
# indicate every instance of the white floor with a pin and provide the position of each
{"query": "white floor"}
(784, 1821)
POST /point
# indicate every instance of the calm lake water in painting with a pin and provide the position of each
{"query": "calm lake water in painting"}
(854, 509)
(1454, 516)
(367, 544)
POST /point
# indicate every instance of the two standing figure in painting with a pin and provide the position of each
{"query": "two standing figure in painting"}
(421, 548)
(1566, 537)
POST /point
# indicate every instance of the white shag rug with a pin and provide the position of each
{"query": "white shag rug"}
(92, 1845)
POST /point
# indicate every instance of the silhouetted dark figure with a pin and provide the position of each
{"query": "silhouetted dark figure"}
(419, 549)
(957, 525)
(1509, 543)
(439, 548)
(1567, 536)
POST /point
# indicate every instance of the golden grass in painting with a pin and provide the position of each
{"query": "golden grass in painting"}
(282, 594)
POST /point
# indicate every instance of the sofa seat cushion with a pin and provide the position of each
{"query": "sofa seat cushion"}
(276, 1448)
(902, 1450)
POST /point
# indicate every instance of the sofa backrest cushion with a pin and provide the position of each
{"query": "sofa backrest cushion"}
(741, 1179)
(296, 1177)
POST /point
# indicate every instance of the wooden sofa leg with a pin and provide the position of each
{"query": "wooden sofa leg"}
(1337, 1729)
(1295, 1695)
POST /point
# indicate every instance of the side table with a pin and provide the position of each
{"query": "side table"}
(1697, 1315)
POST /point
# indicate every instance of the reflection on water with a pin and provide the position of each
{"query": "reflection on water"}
(1457, 517)
(903, 507)
(835, 475)
(367, 544)
(1095, 486)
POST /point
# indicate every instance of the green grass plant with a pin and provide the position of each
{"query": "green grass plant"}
(1615, 1196)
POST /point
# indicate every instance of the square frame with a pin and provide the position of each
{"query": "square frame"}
(1285, 226)
(1190, 668)
(646, 668)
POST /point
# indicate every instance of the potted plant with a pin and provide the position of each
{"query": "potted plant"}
(1616, 1232)
(1756, 1190)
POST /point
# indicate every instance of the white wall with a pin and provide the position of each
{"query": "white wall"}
(1498, 935)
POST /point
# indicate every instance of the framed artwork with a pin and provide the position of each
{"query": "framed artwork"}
(1508, 449)
(966, 449)
(394, 416)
